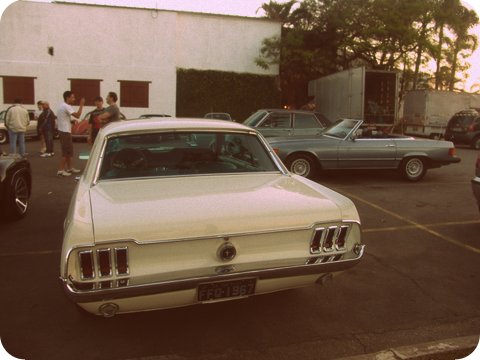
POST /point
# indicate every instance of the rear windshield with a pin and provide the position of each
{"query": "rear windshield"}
(184, 153)
(255, 118)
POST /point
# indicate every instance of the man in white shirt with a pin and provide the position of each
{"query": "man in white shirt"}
(64, 122)
(17, 121)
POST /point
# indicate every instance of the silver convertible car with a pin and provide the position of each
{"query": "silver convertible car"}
(349, 144)
(179, 212)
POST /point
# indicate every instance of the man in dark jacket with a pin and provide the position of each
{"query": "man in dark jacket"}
(47, 127)
(93, 121)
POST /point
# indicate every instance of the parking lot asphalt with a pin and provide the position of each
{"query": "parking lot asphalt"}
(418, 282)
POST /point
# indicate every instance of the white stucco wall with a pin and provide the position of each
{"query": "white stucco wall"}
(110, 43)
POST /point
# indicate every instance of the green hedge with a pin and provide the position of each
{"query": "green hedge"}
(201, 92)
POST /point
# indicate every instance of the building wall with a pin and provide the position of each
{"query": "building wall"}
(112, 43)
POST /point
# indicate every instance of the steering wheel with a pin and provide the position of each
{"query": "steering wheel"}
(129, 158)
(232, 148)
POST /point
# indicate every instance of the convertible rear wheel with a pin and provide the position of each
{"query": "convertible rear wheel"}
(18, 197)
(413, 169)
(302, 164)
(3, 136)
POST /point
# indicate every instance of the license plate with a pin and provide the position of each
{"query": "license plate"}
(456, 129)
(226, 289)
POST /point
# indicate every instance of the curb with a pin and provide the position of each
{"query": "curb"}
(455, 348)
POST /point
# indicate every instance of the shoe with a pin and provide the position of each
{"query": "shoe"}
(63, 173)
(44, 155)
(73, 170)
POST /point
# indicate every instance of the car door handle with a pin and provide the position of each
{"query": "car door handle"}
(390, 145)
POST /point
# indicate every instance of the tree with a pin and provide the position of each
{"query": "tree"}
(320, 37)
(461, 23)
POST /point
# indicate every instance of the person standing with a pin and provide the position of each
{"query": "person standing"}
(93, 121)
(47, 120)
(17, 121)
(64, 121)
(112, 112)
(38, 112)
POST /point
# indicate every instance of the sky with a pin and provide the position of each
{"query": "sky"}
(250, 8)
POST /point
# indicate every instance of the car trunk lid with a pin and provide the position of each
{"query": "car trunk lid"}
(162, 209)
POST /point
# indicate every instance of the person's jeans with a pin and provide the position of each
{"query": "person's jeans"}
(48, 136)
(13, 137)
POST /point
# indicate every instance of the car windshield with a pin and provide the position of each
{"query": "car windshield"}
(341, 128)
(218, 116)
(255, 118)
(183, 153)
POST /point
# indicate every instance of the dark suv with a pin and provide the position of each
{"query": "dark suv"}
(464, 128)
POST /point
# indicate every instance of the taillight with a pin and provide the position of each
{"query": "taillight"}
(316, 241)
(121, 261)
(104, 262)
(452, 151)
(86, 264)
(471, 127)
(341, 238)
(328, 242)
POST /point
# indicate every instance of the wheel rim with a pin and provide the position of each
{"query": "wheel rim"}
(300, 167)
(414, 168)
(21, 195)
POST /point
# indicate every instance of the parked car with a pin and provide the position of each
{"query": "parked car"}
(31, 130)
(476, 181)
(349, 144)
(218, 116)
(15, 186)
(80, 128)
(162, 217)
(464, 128)
(148, 116)
(280, 122)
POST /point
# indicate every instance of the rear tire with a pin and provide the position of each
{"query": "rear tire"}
(413, 169)
(302, 164)
(3, 136)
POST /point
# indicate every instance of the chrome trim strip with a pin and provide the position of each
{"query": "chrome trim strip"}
(190, 175)
(192, 283)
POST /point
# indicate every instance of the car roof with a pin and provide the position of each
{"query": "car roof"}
(152, 124)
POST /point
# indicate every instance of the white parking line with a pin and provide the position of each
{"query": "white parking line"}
(407, 227)
(414, 224)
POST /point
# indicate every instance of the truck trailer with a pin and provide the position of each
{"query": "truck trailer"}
(359, 93)
(426, 112)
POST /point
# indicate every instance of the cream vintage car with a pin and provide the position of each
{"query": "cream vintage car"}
(182, 211)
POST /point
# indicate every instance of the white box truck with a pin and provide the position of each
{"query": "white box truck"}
(426, 112)
(359, 93)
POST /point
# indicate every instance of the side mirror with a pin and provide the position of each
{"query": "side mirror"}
(84, 155)
(353, 137)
